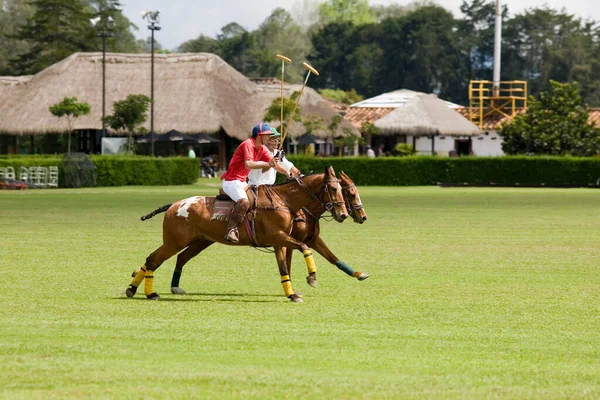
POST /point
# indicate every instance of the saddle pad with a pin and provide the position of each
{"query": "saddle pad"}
(221, 210)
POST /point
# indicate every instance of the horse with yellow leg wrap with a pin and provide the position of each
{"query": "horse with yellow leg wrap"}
(188, 228)
(307, 229)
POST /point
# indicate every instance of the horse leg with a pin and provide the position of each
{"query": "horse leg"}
(288, 261)
(320, 247)
(285, 240)
(286, 282)
(146, 273)
(192, 251)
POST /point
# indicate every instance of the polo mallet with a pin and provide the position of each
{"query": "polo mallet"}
(310, 69)
(283, 59)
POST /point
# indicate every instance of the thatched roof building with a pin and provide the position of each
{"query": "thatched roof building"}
(426, 115)
(193, 93)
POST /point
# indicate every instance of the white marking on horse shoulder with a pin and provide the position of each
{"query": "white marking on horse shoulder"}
(183, 210)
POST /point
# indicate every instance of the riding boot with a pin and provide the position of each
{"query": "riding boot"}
(239, 211)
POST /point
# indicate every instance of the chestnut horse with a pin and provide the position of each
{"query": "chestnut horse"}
(306, 229)
(188, 226)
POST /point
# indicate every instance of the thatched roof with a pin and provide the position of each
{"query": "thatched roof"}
(193, 93)
(426, 115)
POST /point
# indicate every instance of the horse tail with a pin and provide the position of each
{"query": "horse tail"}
(157, 211)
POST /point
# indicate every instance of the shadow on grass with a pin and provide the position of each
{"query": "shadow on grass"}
(220, 297)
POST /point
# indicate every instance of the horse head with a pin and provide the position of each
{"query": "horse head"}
(352, 198)
(333, 197)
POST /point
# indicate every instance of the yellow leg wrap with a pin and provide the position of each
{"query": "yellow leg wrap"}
(287, 285)
(149, 282)
(310, 261)
(139, 277)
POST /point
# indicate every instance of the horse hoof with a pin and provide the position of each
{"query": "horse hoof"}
(296, 299)
(130, 292)
(362, 276)
(298, 294)
(153, 296)
(312, 279)
(178, 290)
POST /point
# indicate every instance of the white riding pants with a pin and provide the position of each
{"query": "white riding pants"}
(235, 189)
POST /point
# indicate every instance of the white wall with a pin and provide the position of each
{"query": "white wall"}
(489, 144)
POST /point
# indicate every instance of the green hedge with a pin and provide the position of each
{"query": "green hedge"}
(421, 170)
(140, 170)
(122, 170)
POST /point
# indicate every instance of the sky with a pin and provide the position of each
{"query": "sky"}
(183, 20)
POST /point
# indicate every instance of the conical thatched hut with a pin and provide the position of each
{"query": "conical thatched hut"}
(426, 115)
(192, 93)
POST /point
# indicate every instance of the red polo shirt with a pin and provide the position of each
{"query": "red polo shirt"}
(246, 151)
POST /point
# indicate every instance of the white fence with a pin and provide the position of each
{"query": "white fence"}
(36, 176)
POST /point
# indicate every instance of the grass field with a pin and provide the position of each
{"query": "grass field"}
(473, 293)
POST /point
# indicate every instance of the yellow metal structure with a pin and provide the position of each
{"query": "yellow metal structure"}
(506, 100)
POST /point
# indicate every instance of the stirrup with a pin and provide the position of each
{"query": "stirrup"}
(233, 235)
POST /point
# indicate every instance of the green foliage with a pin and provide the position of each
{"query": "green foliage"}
(13, 14)
(356, 12)
(128, 114)
(555, 124)
(279, 34)
(341, 96)
(273, 113)
(122, 171)
(114, 25)
(403, 149)
(421, 170)
(71, 109)
(57, 29)
(368, 128)
(202, 44)
(151, 171)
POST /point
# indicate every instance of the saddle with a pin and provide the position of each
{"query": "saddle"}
(223, 207)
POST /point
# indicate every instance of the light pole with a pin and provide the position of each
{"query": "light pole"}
(153, 18)
(106, 24)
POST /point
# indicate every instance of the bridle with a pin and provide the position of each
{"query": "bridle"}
(352, 208)
(328, 205)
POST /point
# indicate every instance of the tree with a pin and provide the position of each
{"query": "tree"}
(555, 124)
(273, 113)
(341, 96)
(13, 14)
(57, 29)
(421, 52)
(476, 36)
(202, 44)
(356, 12)
(128, 114)
(543, 44)
(279, 34)
(71, 109)
(236, 45)
(120, 39)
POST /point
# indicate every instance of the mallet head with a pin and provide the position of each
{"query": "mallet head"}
(283, 58)
(310, 68)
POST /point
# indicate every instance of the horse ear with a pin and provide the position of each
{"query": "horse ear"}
(330, 171)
